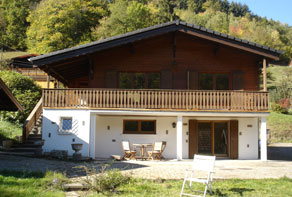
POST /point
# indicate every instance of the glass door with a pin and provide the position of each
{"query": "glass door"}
(213, 138)
(221, 138)
(205, 138)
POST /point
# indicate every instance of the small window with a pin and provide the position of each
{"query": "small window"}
(66, 124)
(139, 127)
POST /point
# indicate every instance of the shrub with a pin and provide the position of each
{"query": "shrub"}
(25, 90)
(105, 180)
(282, 106)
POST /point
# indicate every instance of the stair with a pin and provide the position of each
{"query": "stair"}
(29, 148)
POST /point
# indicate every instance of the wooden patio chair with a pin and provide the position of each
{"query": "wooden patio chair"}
(157, 150)
(203, 164)
(128, 153)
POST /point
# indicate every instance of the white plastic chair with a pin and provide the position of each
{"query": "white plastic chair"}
(204, 164)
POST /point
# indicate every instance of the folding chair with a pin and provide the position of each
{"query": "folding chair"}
(204, 164)
(157, 150)
(128, 153)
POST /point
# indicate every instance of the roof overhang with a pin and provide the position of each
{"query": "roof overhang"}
(7, 101)
(84, 50)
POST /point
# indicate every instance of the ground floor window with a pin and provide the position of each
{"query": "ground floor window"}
(139, 126)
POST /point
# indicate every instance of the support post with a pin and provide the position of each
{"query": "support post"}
(263, 139)
(179, 127)
(92, 136)
(265, 74)
(48, 81)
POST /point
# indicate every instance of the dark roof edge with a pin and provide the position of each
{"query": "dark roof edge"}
(40, 60)
(10, 95)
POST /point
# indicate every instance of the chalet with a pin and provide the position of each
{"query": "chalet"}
(21, 65)
(196, 89)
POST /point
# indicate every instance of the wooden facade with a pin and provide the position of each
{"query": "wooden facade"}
(178, 53)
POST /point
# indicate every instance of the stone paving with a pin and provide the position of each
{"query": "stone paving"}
(171, 169)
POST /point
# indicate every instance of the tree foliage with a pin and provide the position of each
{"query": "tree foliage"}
(61, 24)
(13, 22)
(25, 91)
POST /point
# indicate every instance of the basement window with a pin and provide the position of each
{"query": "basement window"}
(139, 127)
(66, 125)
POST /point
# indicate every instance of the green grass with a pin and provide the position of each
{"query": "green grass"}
(9, 55)
(280, 126)
(233, 187)
(21, 184)
(9, 130)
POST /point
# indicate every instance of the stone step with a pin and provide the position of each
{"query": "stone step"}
(21, 149)
(25, 154)
(32, 145)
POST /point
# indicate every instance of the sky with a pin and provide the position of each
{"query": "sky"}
(278, 10)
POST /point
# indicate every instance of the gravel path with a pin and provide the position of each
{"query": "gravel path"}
(224, 169)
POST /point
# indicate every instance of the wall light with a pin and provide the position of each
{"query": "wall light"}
(173, 125)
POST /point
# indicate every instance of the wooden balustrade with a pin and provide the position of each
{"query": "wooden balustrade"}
(156, 99)
(31, 120)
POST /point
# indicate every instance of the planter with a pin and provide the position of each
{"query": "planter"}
(7, 144)
(77, 148)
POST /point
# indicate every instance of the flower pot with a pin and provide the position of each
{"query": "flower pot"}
(7, 144)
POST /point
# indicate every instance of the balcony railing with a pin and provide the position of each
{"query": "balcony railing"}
(172, 100)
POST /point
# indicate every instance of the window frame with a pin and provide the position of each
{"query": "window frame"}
(139, 127)
(214, 79)
(132, 78)
(63, 131)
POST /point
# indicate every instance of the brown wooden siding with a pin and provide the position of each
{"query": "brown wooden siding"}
(191, 53)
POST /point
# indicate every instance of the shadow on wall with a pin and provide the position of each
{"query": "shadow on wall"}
(55, 139)
(280, 153)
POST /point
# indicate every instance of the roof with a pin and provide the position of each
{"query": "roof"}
(154, 31)
(22, 61)
(7, 101)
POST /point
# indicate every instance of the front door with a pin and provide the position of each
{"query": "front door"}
(208, 138)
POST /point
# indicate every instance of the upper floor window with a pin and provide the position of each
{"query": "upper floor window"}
(139, 80)
(211, 81)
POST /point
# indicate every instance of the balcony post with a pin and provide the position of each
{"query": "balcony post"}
(263, 139)
(179, 138)
(265, 74)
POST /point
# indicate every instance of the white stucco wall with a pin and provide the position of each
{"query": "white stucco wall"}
(108, 141)
(57, 141)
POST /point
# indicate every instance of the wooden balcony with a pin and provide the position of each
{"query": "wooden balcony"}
(169, 100)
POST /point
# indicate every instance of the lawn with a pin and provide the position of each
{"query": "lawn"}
(9, 130)
(12, 54)
(21, 184)
(233, 187)
(280, 126)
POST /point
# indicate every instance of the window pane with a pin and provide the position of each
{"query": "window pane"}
(220, 138)
(222, 82)
(147, 125)
(139, 80)
(66, 124)
(206, 81)
(153, 80)
(125, 80)
(131, 125)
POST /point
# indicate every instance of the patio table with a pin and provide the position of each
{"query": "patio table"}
(142, 147)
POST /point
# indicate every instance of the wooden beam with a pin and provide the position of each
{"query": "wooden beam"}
(48, 81)
(228, 43)
(265, 74)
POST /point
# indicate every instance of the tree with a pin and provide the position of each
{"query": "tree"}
(126, 16)
(25, 91)
(61, 24)
(13, 21)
